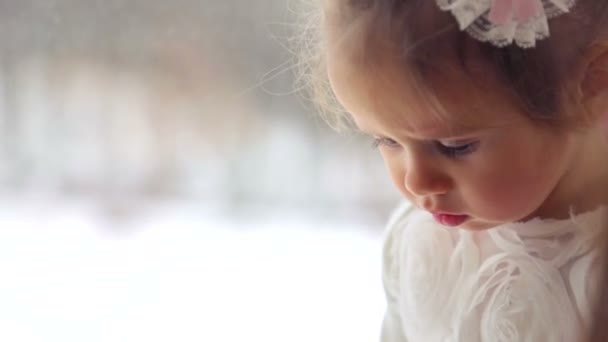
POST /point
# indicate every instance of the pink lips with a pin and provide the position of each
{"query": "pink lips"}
(450, 220)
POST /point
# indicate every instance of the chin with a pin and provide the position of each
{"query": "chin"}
(479, 225)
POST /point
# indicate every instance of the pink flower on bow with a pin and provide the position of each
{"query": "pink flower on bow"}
(505, 11)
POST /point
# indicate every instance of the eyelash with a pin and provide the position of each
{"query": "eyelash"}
(378, 142)
(448, 151)
(456, 151)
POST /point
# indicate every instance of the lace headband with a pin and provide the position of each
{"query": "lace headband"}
(504, 22)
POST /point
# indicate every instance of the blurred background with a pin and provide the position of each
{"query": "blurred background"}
(162, 179)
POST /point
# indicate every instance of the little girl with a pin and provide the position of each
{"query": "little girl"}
(490, 116)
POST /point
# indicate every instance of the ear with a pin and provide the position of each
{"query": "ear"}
(593, 84)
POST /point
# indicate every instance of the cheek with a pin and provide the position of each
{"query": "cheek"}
(512, 188)
(506, 197)
(396, 171)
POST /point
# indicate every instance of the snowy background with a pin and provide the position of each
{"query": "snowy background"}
(162, 180)
(182, 274)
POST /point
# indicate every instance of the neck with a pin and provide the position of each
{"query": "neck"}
(584, 186)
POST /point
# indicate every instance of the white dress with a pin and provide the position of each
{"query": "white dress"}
(532, 281)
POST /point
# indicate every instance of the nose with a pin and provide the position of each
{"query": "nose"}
(422, 179)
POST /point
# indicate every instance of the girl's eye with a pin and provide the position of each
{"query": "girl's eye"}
(385, 142)
(455, 151)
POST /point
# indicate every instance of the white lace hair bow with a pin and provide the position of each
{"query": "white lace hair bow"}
(502, 22)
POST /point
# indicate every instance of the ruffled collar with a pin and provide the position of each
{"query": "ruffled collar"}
(532, 281)
(589, 222)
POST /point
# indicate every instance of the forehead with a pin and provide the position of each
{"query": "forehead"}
(385, 93)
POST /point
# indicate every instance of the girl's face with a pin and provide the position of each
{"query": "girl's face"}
(481, 164)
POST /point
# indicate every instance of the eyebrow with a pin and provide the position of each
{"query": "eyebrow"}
(460, 133)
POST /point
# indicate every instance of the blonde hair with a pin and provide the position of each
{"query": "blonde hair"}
(310, 43)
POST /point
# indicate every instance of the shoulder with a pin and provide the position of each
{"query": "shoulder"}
(416, 270)
(397, 223)
(410, 227)
(395, 228)
(420, 256)
(403, 222)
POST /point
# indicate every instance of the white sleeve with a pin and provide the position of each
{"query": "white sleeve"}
(392, 330)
